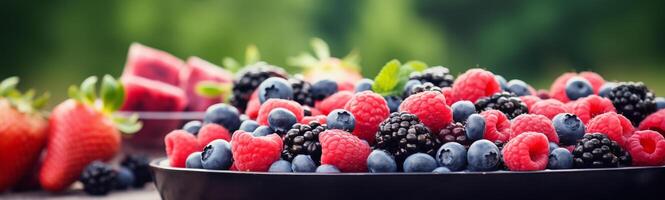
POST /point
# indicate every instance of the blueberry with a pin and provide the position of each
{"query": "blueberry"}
(462, 110)
(192, 127)
(275, 88)
(280, 166)
(475, 127)
(560, 158)
(440, 170)
(224, 115)
(281, 120)
(553, 146)
(483, 155)
(327, 169)
(341, 119)
(409, 85)
(194, 161)
(381, 162)
(502, 82)
(249, 125)
(124, 179)
(303, 163)
(518, 87)
(660, 103)
(606, 89)
(578, 87)
(419, 162)
(569, 127)
(452, 155)
(262, 131)
(323, 88)
(393, 102)
(217, 155)
(364, 85)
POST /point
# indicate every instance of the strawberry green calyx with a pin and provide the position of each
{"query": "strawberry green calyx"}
(322, 57)
(109, 100)
(25, 102)
(211, 89)
(394, 75)
(252, 56)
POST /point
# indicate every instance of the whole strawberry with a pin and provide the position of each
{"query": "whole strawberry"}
(82, 130)
(23, 132)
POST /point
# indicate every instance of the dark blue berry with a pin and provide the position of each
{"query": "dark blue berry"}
(192, 127)
(419, 162)
(409, 86)
(125, 178)
(440, 170)
(217, 155)
(275, 88)
(568, 127)
(560, 158)
(462, 110)
(249, 125)
(323, 88)
(327, 169)
(281, 120)
(475, 127)
(280, 166)
(341, 119)
(393, 102)
(606, 89)
(660, 103)
(364, 85)
(578, 87)
(303, 163)
(224, 115)
(452, 155)
(518, 87)
(262, 131)
(553, 146)
(381, 162)
(194, 161)
(483, 155)
(502, 82)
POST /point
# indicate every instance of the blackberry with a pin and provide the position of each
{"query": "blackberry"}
(421, 88)
(505, 102)
(633, 100)
(303, 139)
(454, 132)
(439, 76)
(140, 167)
(402, 135)
(301, 91)
(249, 79)
(501, 165)
(98, 178)
(597, 151)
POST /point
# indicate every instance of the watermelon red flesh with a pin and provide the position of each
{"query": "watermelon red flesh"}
(147, 95)
(198, 70)
(153, 64)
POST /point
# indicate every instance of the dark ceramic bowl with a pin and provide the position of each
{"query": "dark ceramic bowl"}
(614, 183)
(150, 139)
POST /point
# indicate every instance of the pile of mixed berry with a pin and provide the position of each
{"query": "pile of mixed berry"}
(415, 118)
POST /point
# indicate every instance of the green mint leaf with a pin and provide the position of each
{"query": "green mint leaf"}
(321, 48)
(231, 64)
(88, 93)
(113, 94)
(406, 70)
(252, 55)
(8, 85)
(387, 79)
(415, 65)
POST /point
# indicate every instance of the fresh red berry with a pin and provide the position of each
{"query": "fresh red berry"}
(475, 84)
(252, 110)
(533, 123)
(345, 151)
(448, 93)
(212, 131)
(431, 109)
(596, 80)
(319, 118)
(335, 101)
(647, 148)
(530, 100)
(255, 154)
(615, 126)
(179, 144)
(497, 126)
(369, 110)
(527, 152)
(655, 122)
(548, 108)
(271, 104)
(589, 107)
(558, 88)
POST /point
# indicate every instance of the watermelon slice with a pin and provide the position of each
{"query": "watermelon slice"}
(148, 95)
(198, 70)
(153, 64)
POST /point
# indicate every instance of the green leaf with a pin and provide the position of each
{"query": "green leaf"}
(252, 55)
(113, 94)
(88, 91)
(74, 93)
(128, 125)
(231, 64)
(210, 89)
(415, 65)
(387, 79)
(321, 48)
(303, 60)
(41, 101)
(8, 85)
(406, 70)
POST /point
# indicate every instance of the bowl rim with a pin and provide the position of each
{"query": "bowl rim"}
(164, 115)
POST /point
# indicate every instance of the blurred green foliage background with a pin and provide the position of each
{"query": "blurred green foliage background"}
(53, 44)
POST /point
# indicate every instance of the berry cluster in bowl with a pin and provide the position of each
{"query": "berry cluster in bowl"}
(415, 118)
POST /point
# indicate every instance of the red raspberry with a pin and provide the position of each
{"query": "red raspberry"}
(255, 153)
(647, 148)
(497, 126)
(179, 144)
(431, 109)
(319, 118)
(475, 84)
(212, 131)
(233, 167)
(345, 151)
(315, 111)
(346, 86)
(615, 126)
(558, 88)
(543, 94)
(596, 80)
(335, 101)
(527, 152)
(448, 93)
(253, 106)
(271, 104)
(591, 106)
(530, 100)
(533, 123)
(655, 122)
(548, 108)
(369, 109)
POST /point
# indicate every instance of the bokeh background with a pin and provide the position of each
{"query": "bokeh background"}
(53, 44)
